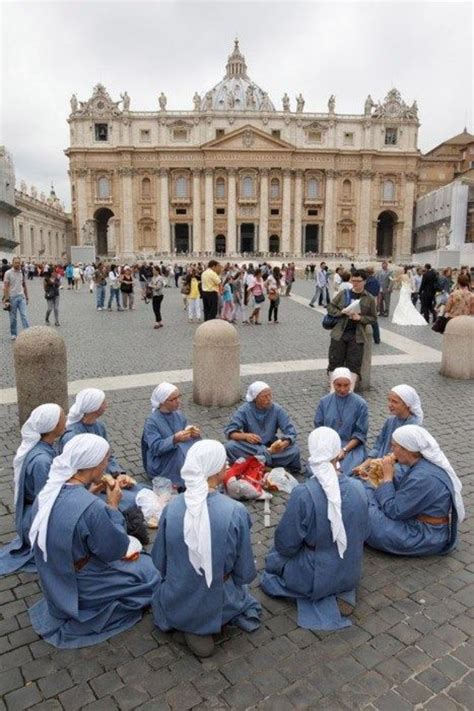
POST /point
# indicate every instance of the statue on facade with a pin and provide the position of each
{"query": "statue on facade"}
(33, 192)
(230, 100)
(197, 102)
(299, 103)
(74, 104)
(208, 101)
(23, 187)
(265, 105)
(413, 110)
(442, 236)
(332, 104)
(250, 97)
(368, 106)
(126, 101)
(162, 101)
(285, 102)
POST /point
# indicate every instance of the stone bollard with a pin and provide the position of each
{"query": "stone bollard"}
(216, 364)
(364, 382)
(40, 369)
(457, 360)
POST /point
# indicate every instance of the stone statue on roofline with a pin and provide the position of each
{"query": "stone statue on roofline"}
(368, 106)
(74, 104)
(126, 101)
(285, 102)
(299, 103)
(332, 104)
(162, 101)
(197, 102)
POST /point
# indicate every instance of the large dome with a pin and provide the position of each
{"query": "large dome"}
(236, 91)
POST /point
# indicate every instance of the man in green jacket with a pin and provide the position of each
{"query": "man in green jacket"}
(348, 336)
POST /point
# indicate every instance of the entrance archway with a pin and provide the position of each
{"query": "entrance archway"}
(247, 237)
(311, 239)
(274, 244)
(181, 237)
(102, 217)
(220, 244)
(385, 230)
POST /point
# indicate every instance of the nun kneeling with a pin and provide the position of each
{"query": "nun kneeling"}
(94, 579)
(204, 555)
(319, 542)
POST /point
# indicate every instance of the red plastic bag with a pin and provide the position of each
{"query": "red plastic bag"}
(249, 475)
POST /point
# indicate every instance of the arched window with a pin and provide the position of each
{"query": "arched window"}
(103, 187)
(346, 190)
(248, 187)
(146, 188)
(389, 191)
(312, 189)
(220, 188)
(275, 189)
(181, 187)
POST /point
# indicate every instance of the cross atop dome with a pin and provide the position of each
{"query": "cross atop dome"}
(236, 66)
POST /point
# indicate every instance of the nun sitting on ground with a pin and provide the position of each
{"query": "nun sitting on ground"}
(319, 542)
(204, 555)
(94, 578)
(167, 437)
(417, 508)
(253, 431)
(31, 467)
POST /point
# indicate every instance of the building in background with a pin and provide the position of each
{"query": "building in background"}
(235, 175)
(441, 165)
(8, 207)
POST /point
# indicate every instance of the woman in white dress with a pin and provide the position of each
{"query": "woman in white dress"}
(405, 313)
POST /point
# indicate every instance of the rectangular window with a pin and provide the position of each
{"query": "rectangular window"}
(312, 213)
(391, 136)
(276, 133)
(101, 132)
(180, 134)
(315, 136)
(274, 211)
(220, 211)
(348, 139)
(219, 132)
(145, 135)
(181, 211)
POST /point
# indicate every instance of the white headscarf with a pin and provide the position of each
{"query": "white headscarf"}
(160, 394)
(344, 373)
(83, 451)
(411, 399)
(43, 419)
(255, 389)
(203, 459)
(417, 439)
(88, 400)
(324, 445)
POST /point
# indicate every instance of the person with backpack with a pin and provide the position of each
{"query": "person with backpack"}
(52, 283)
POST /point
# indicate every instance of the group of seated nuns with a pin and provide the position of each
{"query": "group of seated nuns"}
(96, 578)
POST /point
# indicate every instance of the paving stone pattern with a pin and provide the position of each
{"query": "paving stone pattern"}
(411, 643)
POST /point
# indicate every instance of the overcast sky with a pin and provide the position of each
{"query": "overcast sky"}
(53, 49)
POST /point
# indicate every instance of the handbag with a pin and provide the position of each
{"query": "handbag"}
(439, 325)
(259, 298)
(328, 321)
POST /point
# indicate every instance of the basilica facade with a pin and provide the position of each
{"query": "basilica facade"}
(236, 175)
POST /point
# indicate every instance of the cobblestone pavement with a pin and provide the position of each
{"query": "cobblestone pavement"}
(411, 643)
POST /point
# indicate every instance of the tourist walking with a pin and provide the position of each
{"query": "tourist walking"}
(320, 287)
(428, 288)
(385, 279)
(126, 287)
(157, 284)
(76, 276)
(193, 296)
(88, 276)
(256, 288)
(227, 312)
(210, 287)
(69, 272)
(52, 283)
(405, 313)
(114, 282)
(100, 281)
(15, 296)
(273, 292)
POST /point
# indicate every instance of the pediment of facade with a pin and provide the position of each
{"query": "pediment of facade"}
(248, 138)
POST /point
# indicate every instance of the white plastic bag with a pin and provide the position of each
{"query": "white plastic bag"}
(280, 478)
(162, 485)
(152, 505)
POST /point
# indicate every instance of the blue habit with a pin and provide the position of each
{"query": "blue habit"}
(182, 600)
(266, 424)
(106, 595)
(33, 476)
(349, 416)
(305, 563)
(383, 443)
(161, 456)
(423, 488)
(113, 467)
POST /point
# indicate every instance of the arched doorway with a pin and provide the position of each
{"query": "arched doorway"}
(220, 244)
(385, 230)
(102, 217)
(274, 244)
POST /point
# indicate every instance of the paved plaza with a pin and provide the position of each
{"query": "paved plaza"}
(411, 643)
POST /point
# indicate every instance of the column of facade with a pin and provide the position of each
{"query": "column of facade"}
(231, 245)
(164, 241)
(286, 212)
(81, 204)
(263, 243)
(209, 210)
(364, 246)
(196, 237)
(403, 244)
(298, 209)
(329, 213)
(127, 247)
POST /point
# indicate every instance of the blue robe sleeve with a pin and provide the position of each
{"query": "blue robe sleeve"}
(101, 530)
(361, 422)
(156, 443)
(286, 426)
(158, 553)
(237, 423)
(239, 557)
(37, 477)
(379, 442)
(113, 467)
(292, 530)
(319, 415)
(69, 434)
(409, 498)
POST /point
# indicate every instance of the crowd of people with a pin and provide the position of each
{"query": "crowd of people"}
(75, 529)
